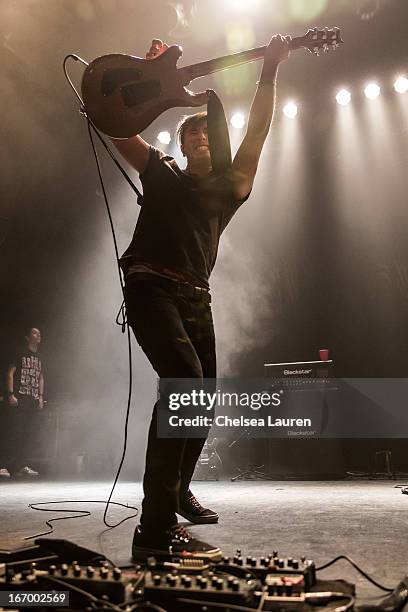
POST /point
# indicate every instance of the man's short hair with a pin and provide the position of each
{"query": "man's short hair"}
(188, 122)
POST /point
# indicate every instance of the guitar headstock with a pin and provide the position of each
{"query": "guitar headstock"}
(316, 40)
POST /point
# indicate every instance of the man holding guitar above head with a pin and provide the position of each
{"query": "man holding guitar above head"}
(167, 268)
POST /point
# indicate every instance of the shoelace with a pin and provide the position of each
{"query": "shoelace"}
(194, 502)
(180, 533)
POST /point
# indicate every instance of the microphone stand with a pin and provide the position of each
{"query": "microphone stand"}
(250, 472)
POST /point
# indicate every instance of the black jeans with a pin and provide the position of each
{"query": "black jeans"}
(22, 423)
(177, 336)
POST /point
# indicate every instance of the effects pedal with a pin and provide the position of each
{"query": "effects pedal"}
(111, 583)
(166, 588)
(300, 573)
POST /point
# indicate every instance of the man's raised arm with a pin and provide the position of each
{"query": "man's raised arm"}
(135, 150)
(246, 160)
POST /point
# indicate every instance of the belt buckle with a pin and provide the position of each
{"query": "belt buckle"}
(184, 289)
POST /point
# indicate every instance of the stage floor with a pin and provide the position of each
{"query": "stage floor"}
(366, 520)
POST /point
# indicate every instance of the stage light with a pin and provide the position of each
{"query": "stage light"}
(237, 120)
(401, 85)
(164, 137)
(343, 97)
(305, 10)
(290, 110)
(239, 35)
(372, 91)
(243, 5)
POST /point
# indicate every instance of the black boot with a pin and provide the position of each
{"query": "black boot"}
(175, 541)
(191, 509)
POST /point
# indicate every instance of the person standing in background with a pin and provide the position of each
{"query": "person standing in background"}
(25, 391)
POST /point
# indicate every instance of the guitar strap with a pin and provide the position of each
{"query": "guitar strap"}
(218, 135)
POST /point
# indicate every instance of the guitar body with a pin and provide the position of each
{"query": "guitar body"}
(123, 94)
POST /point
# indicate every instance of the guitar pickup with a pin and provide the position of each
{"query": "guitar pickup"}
(138, 93)
(114, 77)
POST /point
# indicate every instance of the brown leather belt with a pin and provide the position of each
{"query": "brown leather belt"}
(180, 289)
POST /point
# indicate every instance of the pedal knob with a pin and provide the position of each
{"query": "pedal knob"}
(289, 561)
(103, 572)
(281, 563)
(77, 570)
(295, 564)
(117, 573)
(263, 561)
(253, 562)
(230, 580)
(156, 580)
(64, 569)
(214, 581)
(235, 586)
(289, 590)
(220, 584)
(52, 569)
(249, 560)
(187, 582)
(240, 561)
(204, 583)
(173, 581)
(226, 560)
(90, 571)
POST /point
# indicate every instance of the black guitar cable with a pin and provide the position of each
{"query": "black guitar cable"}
(121, 317)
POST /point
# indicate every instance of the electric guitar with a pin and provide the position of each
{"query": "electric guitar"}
(209, 464)
(123, 94)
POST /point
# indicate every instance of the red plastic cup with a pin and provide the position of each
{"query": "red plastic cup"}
(324, 354)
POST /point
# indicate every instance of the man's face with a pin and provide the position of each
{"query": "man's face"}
(35, 336)
(195, 146)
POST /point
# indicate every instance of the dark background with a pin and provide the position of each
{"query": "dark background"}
(311, 261)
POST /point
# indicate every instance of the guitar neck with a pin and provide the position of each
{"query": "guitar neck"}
(189, 73)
